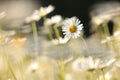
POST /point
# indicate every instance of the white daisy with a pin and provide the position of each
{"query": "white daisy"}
(90, 64)
(72, 28)
(34, 17)
(46, 10)
(43, 11)
(107, 39)
(60, 41)
(33, 67)
(56, 19)
(53, 20)
(85, 63)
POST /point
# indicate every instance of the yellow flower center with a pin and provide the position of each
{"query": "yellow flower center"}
(73, 29)
(42, 12)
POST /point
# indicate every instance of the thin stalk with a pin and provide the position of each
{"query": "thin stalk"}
(84, 44)
(10, 68)
(106, 30)
(100, 32)
(49, 33)
(62, 70)
(35, 34)
(56, 31)
(86, 76)
(97, 74)
(44, 18)
(103, 74)
(48, 29)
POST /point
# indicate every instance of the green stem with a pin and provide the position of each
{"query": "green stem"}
(86, 76)
(49, 33)
(48, 29)
(56, 31)
(97, 74)
(8, 63)
(103, 74)
(35, 34)
(101, 32)
(106, 31)
(11, 71)
(62, 71)
(44, 18)
(84, 44)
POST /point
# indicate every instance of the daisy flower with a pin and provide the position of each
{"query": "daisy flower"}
(53, 20)
(43, 11)
(33, 67)
(5, 36)
(72, 28)
(34, 17)
(90, 64)
(56, 19)
(60, 41)
(85, 63)
(46, 10)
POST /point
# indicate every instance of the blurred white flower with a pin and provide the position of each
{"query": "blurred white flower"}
(46, 10)
(18, 41)
(63, 40)
(5, 36)
(72, 28)
(110, 38)
(60, 41)
(56, 19)
(101, 18)
(105, 63)
(84, 64)
(34, 17)
(107, 39)
(53, 20)
(116, 33)
(104, 11)
(33, 67)
(90, 64)
(48, 22)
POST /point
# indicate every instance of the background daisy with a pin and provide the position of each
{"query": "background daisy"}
(72, 28)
